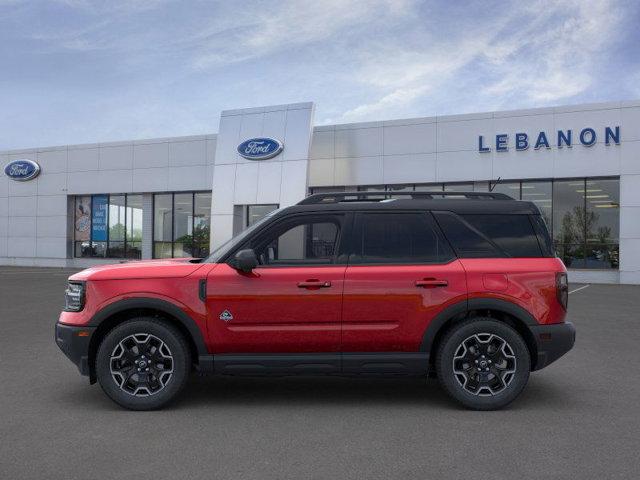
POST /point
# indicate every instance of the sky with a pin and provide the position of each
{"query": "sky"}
(80, 71)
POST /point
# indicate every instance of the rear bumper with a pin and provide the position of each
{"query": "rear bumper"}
(74, 343)
(552, 342)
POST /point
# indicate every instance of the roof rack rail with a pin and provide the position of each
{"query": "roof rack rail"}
(372, 196)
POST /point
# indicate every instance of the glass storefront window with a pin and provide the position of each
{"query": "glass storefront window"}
(116, 226)
(603, 223)
(162, 225)
(182, 224)
(108, 226)
(256, 213)
(201, 224)
(540, 193)
(568, 212)
(510, 188)
(480, 186)
(134, 226)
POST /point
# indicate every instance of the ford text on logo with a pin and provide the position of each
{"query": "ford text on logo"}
(564, 138)
(22, 170)
(260, 148)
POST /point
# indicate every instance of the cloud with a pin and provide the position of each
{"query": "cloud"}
(259, 32)
(124, 69)
(541, 53)
(552, 61)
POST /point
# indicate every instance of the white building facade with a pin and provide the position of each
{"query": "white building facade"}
(78, 205)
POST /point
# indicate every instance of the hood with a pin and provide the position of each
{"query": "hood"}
(166, 268)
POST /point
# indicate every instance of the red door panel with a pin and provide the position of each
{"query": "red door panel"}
(275, 309)
(387, 308)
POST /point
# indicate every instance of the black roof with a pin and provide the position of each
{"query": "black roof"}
(456, 202)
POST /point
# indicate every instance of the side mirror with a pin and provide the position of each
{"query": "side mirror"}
(245, 260)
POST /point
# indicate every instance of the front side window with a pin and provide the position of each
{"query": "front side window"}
(303, 241)
(388, 238)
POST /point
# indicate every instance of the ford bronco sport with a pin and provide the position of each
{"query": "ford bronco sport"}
(464, 286)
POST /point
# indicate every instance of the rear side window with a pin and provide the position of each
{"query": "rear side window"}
(398, 238)
(514, 234)
(544, 239)
(467, 241)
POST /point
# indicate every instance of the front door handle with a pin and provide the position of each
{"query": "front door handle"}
(431, 283)
(313, 284)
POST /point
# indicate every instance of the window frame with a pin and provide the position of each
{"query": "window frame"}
(342, 219)
(356, 232)
(173, 218)
(528, 220)
(124, 241)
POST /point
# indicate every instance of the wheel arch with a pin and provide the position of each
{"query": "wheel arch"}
(513, 315)
(118, 312)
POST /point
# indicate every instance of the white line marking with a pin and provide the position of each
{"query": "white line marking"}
(578, 289)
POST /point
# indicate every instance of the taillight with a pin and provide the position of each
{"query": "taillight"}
(562, 289)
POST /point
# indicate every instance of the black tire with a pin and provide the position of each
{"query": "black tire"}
(167, 356)
(467, 372)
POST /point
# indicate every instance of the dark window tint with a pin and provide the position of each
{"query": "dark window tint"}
(398, 238)
(542, 231)
(467, 242)
(512, 233)
(303, 242)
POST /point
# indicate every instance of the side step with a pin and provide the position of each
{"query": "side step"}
(375, 363)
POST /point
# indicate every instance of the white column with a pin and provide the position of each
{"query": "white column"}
(630, 229)
(279, 180)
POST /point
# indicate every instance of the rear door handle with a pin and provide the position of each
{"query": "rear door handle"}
(431, 283)
(314, 284)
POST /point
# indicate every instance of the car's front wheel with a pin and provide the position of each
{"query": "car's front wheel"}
(143, 363)
(483, 363)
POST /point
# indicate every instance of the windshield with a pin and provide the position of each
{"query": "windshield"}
(232, 243)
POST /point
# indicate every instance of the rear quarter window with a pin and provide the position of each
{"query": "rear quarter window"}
(514, 234)
(490, 236)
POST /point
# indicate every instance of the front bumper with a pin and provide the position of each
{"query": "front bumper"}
(74, 343)
(552, 342)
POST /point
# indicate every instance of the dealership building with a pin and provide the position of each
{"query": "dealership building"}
(81, 205)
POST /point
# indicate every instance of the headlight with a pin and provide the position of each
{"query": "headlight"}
(74, 297)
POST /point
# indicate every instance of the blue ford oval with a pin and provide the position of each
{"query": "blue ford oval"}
(22, 170)
(260, 148)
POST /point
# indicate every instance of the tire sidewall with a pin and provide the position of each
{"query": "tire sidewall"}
(179, 351)
(451, 342)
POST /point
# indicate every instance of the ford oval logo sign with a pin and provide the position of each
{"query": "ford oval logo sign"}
(260, 148)
(22, 170)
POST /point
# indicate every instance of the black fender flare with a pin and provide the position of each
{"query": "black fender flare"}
(462, 308)
(505, 306)
(155, 304)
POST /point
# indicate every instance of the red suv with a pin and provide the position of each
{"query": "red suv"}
(461, 285)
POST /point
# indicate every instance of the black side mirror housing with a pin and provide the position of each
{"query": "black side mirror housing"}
(245, 260)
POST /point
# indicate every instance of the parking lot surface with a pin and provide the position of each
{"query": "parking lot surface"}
(578, 419)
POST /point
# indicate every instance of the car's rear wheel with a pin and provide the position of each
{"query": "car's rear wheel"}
(143, 363)
(483, 363)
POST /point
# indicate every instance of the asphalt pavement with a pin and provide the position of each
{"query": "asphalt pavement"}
(577, 419)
